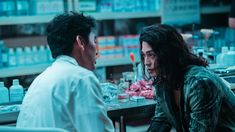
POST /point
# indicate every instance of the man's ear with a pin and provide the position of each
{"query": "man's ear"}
(79, 43)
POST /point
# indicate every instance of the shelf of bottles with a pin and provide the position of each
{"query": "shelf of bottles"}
(34, 59)
(14, 20)
(38, 68)
(42, 11)
(23, 70)
(30, 11)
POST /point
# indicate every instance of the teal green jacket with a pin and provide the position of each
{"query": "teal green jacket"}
(206, 105)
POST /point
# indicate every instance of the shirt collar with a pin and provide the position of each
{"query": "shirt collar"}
(67, 59)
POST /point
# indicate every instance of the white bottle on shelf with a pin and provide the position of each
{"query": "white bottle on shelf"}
(22, 7)
(4, 54)
(43, 54)
(16, 91)
(220, 56)
(12, 57)
(28, 55)
(4, 94)
(35, 55)
(20, 56)
(1, 47)
(230, 57)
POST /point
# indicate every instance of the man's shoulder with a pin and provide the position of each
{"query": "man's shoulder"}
(69, 69)
(62, 74)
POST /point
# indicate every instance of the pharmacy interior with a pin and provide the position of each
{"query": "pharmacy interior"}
(24, 52)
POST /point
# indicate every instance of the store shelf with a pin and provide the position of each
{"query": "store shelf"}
(14, 20)
(114, 62)
(38, 68)
(215, 9)
(123, 15)
(22, 70)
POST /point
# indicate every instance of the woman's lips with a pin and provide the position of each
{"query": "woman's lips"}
(150, 70)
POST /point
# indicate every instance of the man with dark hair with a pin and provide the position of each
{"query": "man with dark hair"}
(67, 94)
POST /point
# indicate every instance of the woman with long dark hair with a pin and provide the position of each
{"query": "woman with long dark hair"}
(189, 96)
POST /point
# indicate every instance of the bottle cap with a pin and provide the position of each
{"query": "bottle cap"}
(232, 48)
(27, 49)
(16, 82)
(1, 84)
(34, 48)
(19, 50)
(11, 50)
(224, 49)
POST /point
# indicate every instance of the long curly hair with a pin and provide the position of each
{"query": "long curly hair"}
(173, 55)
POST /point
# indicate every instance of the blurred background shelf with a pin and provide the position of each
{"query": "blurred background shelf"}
(38, 68)
(215, 9)
(16, 20)
(22, 70)
(124, 15)
(114, 62)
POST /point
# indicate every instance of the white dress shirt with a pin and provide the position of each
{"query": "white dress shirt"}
(66, 96)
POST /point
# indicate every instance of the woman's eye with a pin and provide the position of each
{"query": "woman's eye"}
(142, 55)
(151, 55)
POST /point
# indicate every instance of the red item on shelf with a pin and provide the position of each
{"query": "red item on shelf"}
(132, 56)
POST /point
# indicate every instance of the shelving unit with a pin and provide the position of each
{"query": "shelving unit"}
(22, 70)
(34, 69)
(115, 62)
(38, 68)
(123, 15)
(15, 20)
(215, 9)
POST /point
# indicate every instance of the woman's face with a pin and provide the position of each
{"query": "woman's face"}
(149, 58)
